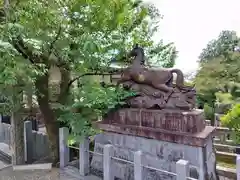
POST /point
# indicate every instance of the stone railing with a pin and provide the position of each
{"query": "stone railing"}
(222, 135)
(225, 150)
(182, 166)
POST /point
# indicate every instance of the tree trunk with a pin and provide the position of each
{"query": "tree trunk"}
(49, 117)
(17, 138)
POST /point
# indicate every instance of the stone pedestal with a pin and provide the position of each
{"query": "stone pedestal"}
(164, 137)
(172, 120)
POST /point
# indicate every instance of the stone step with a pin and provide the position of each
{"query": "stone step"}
(228, 173)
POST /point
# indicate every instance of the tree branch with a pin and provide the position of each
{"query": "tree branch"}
(20, 46)
(88, 74)
(55, 40)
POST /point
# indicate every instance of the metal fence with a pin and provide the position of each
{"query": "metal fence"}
(182, 166)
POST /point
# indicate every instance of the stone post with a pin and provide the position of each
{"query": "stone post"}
(28, 141)
(182, 170)
(107, 154)
(84, 165)
(1, 129)
(238, 166)
(63, 146)
(202, 167)
(138, 169)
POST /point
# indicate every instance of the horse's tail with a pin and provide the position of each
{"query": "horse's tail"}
(180, 79)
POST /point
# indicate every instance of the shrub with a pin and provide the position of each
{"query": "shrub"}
(232, 120)
(208, 112)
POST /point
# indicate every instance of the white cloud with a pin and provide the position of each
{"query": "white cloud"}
(191, 24)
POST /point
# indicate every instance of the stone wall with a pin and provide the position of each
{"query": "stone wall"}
(36, 143)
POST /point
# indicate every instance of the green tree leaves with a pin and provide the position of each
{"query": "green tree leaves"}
(226, 41)
(231, 120)
(76, 37)
(91, 103)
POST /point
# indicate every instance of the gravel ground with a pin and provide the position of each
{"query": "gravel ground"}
(53, 174)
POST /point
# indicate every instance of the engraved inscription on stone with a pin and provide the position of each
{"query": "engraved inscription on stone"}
(159, 119)
(147, 119)
(134, 118)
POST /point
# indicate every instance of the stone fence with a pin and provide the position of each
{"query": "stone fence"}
(182, 166)
(222, 135)
(223, 151)
(35, 142)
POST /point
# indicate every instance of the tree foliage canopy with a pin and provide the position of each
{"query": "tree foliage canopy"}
(225, 42)
(219, 72)
(79, 38)
(218, 75)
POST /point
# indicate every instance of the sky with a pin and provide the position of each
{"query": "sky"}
(191, 24)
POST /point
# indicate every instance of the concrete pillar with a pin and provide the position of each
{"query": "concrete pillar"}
(202, 168)
(238, 166)
(182, 170)
(63, 146)
(138, 169)
(107, 162)
(84, 164)
(28, 142)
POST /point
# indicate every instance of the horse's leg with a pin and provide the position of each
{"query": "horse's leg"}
(165, 88)
(123, 79)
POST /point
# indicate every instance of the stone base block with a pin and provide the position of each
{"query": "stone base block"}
(172, 120)
(157, 154)
(196, 139)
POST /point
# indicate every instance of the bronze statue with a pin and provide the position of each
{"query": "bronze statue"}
(155, 86)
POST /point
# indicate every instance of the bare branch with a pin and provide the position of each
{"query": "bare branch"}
(86, 74)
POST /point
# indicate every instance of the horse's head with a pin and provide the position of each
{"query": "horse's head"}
(138, 53)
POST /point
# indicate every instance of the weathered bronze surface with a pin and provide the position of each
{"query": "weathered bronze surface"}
(160, 109)
(155, 88)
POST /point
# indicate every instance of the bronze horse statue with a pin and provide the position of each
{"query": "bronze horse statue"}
(161, 79)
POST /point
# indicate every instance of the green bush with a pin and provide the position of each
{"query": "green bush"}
(232, 120)
(205, 98)
(224, 98)
(208, 112)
